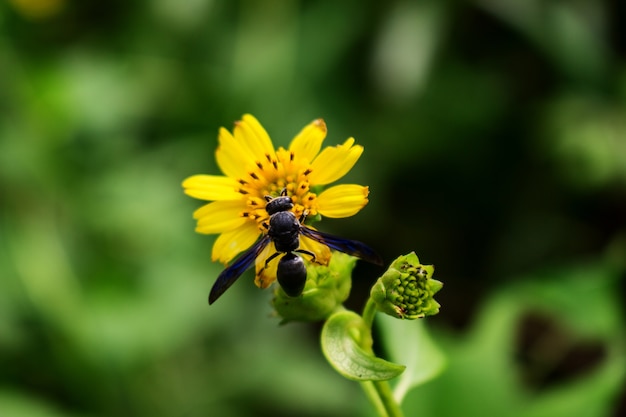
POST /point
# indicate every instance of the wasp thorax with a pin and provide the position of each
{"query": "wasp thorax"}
(285, 231)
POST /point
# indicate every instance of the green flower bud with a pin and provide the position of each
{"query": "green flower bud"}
(406, 289)
(326, 288)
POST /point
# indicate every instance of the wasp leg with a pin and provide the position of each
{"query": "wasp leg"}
(306, 252)
(274, 255)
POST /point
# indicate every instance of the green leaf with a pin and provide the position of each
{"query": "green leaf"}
(410, 343)
(347, 345)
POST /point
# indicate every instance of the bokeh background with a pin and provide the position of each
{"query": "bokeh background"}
(495, 147)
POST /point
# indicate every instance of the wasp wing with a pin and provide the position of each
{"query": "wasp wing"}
(233, 272)
(351, 247)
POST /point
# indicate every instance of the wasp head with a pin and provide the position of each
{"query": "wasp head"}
(278, 204)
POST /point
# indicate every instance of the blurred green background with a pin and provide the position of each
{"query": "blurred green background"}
(495, 147)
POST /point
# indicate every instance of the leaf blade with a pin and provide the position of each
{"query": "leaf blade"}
(346, 344)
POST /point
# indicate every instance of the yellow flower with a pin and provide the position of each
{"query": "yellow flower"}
(254, 169)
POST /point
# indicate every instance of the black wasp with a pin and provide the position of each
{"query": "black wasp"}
(284, 229)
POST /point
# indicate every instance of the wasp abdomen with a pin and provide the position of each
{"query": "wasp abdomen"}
(291, 274)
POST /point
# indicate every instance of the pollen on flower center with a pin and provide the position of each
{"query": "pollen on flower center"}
(270, 177)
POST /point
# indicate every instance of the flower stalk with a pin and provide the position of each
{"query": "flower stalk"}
(379, 393)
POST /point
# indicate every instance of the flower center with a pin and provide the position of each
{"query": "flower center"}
(272, 176)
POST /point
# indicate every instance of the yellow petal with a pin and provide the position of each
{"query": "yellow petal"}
(212, 187)
(250, 134)
(220, 216)
(334, 162)
(321, 251)
(308, 142)
(265, 276)
(342, 200)
(234, 158)
(229, 244)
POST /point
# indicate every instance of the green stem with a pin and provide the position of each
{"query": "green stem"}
(379, 392)
(374, 397)
(369, 312)
(386, 396)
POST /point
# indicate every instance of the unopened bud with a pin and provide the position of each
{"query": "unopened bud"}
(406, 289)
